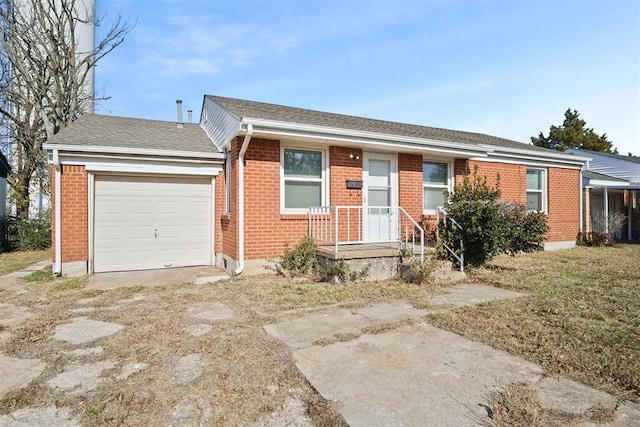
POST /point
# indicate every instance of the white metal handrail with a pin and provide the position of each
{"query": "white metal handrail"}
(445, 218)
(342, 225)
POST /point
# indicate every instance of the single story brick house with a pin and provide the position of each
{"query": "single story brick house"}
(232, 190)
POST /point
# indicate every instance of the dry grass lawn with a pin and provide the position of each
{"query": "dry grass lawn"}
(580, 319)
(17, 260)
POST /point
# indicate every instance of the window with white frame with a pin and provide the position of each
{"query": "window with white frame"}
(536, 190)
(302, 179)
(435, 179)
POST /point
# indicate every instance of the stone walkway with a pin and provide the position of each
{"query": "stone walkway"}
(417, 374)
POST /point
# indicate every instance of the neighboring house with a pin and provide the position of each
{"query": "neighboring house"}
(232, 191)
(611, 184)
(4, 171)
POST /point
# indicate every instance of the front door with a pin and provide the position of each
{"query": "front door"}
(380, 197)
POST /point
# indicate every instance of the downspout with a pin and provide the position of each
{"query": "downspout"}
(243, 150)
(57, 253)
(581, 229)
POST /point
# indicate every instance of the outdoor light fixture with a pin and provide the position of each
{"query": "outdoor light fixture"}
(354, 156)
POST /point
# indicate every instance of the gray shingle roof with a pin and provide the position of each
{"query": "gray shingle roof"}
(97, 130)
(634, 159)
(259, 110)
(595, 175)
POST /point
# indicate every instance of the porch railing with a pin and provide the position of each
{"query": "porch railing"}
(348, 225)
(442, 213)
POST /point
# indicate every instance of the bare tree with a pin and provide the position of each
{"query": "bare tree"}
(44, 78)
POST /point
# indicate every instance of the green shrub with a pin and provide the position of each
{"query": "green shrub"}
(522, 230)
(34, 233)
(474, 205)
(301, 260)
(8, 233)
(489, 226)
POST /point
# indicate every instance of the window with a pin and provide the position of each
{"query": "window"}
(435, 179)
(303, 178)
(536, 197)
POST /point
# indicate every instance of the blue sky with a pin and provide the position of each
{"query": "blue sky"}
(506, 68)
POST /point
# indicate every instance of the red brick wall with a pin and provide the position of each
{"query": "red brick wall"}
(410, 184)
(220, 208)
(343, 167)
(228, 222)
(564, 204)
(563, 193)
(74, 211)
(513, 178)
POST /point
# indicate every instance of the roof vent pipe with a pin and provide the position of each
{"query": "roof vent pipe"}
(179, 107)
(190, 116)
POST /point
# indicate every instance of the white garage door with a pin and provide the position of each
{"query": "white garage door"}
(151, 222)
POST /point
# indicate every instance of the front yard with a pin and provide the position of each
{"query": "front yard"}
(581, 318)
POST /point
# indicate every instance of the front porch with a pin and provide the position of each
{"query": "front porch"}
(374, 239)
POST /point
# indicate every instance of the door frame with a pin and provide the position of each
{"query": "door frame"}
(393, 181)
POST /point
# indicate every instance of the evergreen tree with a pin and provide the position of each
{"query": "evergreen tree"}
(573, 134)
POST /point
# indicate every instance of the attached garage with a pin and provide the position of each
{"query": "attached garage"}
(150, 222)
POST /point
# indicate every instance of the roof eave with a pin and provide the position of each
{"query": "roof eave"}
(131, 151)
(326, 133)
(524, 154)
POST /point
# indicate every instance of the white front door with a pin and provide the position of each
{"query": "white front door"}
(380, 197)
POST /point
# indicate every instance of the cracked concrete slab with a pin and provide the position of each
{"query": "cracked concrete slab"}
(78, 379)
(17, 373)
(210, 310)
(467, 295)
(570, 396)
(82, 330)
(46, 416)
(411, 376)
(189, 368)
(198, 412)
(198, 330)
(304, 331)
(13, 315)
(130, 369)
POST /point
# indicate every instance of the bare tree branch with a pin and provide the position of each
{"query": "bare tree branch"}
(44, 77)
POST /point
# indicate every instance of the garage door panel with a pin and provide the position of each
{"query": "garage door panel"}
(151, 222)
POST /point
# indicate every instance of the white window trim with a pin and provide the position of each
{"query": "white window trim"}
(448, 186)
(324, 178)
(544, 190)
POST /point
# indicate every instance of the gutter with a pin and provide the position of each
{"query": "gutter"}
(57, 252)
(243, 150)
(326, 133)
(581, 203)
(132, 151)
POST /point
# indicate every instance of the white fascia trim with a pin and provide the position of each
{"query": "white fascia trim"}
(84, 158)
(609, 184)
(131, 151)
(520, 161)
(115, 165)
(326, 133)
(521, 153)
(152, 169)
